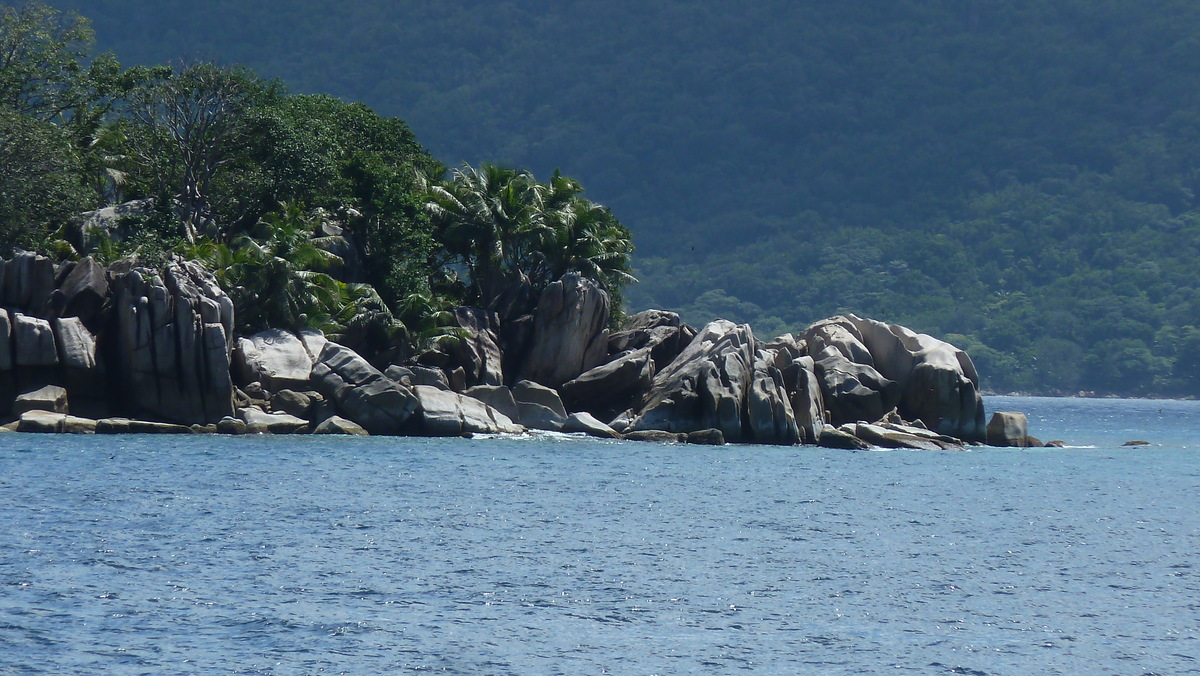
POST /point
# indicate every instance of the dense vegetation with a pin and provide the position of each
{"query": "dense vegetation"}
(1018, 176)
(309, 211)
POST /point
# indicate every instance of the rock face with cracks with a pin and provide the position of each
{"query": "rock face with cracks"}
(173, 343)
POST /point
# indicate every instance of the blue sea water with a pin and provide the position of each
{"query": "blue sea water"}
(563, 555)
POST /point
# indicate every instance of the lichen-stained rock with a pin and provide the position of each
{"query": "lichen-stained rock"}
(939, 384)
(768, 406)
(570, 334)
(443, 413)
(276, 358)
(706, 386)
(171, 343)
(361, 393)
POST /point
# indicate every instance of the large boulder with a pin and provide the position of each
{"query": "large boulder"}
(477, 348)
(171, 344)
(1008, 428)
(706, 386)
(539, 407)
(853, 391)
(26, 282)
(769, 412)
(570, 334)
(276, 358)
(939, 384)
(82, 371)
(612, 387)
(498, 397)
(662, 333)
(443, 413)
(33, 342)
(361, 393)
(81, 293)
(808, 405)
(49, 398)
(840, 334)
(589, 425)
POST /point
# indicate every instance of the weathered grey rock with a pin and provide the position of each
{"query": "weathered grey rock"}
(82, 293)
(538, 417)
(1008, 428)
(588, 424)
(339, 425)
(128, 426)
(661, 333)
(275, 423)
(292, 403)
(231, 425)
(938, 381)
(832, 437)
(33, 340)
(401, 374)
(528, 392)
(841, 335)
(611, 387)
(27, 282)
(768, 407)
(276, 358)
(7, 358)
(808, 404)
(49, 398)
(477, 350)
(570, 334)
(361, 393)
(658, 436)
(712, 437)
(885, 437)
(443, 413)
(49, 422)
(84, 374)
(705, 387)
(86, 231)
(172, 343)
(498, 397)
(853, 391)
(429, 376)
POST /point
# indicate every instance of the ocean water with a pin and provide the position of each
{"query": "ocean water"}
(563, 555)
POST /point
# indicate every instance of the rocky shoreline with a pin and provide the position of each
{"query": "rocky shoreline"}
(126, 349)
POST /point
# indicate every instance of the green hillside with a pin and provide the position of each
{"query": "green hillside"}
(1020, 176)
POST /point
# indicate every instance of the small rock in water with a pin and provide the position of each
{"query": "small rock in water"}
(709, 437)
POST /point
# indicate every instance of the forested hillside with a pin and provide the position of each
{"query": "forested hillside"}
(1019, 177)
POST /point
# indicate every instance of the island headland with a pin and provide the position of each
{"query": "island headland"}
(86, 348)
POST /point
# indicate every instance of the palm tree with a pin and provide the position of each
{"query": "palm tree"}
(484, 218)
